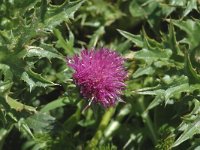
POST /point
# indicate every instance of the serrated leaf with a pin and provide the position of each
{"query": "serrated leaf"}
(192, 74)
(40, 122)
(137, 10)
(45, 51)
(192, 129)
(6, 75)
(35, 80)
(191, 4)
(23, 126)
(96, 36)
(165, 92)
(5, 87)
(149, 70)
(178, 2)
(190, 126)
(5, 69)
(170, 41)
(57, 14)
(150, 10)
(153, 54)
(25, 77)
(192, 28)
(157, 100)
(23, 35)
(67, 45)
(192, 116)
(136, 39)
(25, 4)
(152, 50)
(14, 104)
(39, 77)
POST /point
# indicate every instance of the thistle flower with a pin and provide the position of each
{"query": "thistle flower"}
(100, 75)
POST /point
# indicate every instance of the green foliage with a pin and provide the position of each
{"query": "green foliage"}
(42, 106)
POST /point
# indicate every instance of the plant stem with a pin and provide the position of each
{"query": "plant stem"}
(103, 124)
(116, 123)
(147, 121)
(3, 136)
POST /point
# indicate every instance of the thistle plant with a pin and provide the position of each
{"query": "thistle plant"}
(100, 75)
(150, 59)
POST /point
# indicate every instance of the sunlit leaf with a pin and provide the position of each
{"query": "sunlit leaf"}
(191, 4)
(55, 104)
(136, 39)
(154, 54)
(45, 51)
(57, 14)
(14, 104)
(143, 71)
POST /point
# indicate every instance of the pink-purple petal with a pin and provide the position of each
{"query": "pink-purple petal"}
(100, 74)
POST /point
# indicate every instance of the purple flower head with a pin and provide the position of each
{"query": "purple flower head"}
(99, 74)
